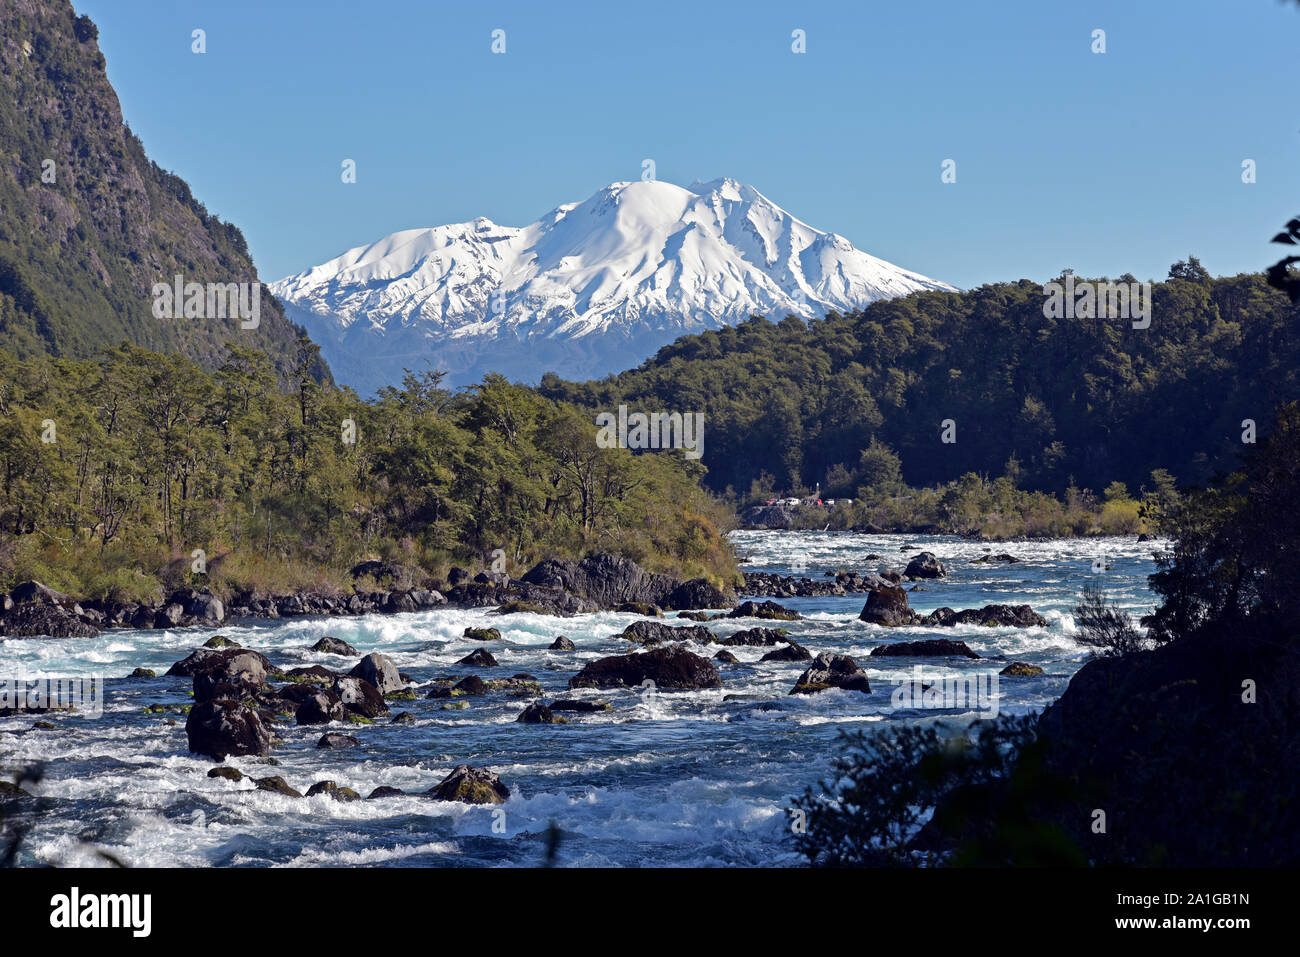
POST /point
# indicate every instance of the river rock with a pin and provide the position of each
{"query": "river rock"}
(331, 789)
(239, 675)
(480, 658)
(832, 671)
(925, 565)
(222, 727)
(579, 705)
(380, 671)
(202, 660)
(538, 713)
(321, 707)
(330, 645)
(757, 637)
(929, 648)
(766, 609)
(1018, 616)
(887, 605)
(652, 633)
(561, 643)
(470, 786)
(360, 697)
(276, 785)
(791, 652)
(670, 667)
(1021, 669)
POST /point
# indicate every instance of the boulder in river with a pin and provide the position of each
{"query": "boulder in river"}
(360, 697)
(671, 668)
(929, 648)
(538, 713)
(832, 671)
(579, 705)
(332, 739)
(239, 675)
(380, 671)
(887, 605)
(652, 633)
(991, 616)
(321, 707)
(330, 645)
(332, 789)
(1021, 669)
(757, 637)
(202, 660)
(791, 652)
(482, 634)
(765, 609)
(470, 786)
(276, 785)
(561, 643)
(925, 565)
(479, 658)
(222, 727)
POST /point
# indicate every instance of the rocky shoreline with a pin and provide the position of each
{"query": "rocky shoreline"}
(560, 587)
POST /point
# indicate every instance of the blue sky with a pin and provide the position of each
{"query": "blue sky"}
(1107, 163)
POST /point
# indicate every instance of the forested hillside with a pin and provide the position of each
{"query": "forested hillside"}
(113, 472)
(791, 404)
(88, 223)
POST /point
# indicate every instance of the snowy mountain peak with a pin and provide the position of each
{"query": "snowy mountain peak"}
(589, 288)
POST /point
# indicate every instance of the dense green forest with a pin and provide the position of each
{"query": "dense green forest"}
(113, 471)
(1051, 403)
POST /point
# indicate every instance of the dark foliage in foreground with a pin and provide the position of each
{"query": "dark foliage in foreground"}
(1184, 755)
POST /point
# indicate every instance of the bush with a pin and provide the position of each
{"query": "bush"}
(1104, 626)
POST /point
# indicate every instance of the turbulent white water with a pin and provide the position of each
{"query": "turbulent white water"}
(683, 778)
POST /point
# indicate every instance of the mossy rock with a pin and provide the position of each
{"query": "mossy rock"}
(229, 773)
(640, 608)
(456, 706)
(221, 641)
(276, 785)
(358, 719)
(811, 687)
(482, 634)
(143, 673)
(405, 695)
(521, 608)
(1021, 669)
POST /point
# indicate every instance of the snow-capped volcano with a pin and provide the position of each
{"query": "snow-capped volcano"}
(588, 289)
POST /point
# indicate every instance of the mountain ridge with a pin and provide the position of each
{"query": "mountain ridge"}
(588, 288)
(89, 224)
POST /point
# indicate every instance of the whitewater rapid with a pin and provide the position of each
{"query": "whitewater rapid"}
(672, 778)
